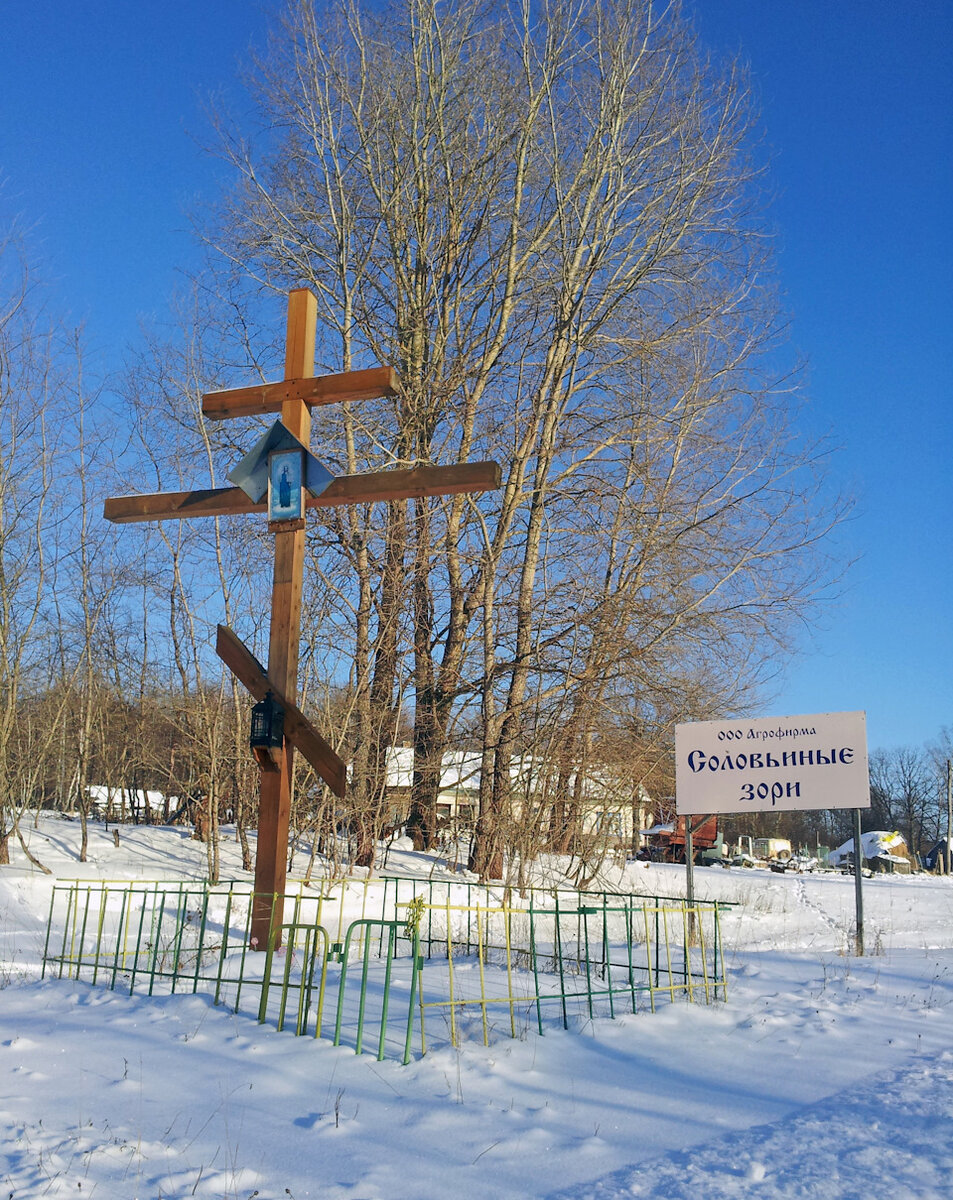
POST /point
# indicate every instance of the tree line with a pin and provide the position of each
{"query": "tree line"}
(547, 218)
(908, 795)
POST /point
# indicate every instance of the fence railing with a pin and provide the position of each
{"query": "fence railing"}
(394, 962)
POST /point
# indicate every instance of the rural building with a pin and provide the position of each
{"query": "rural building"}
(608, 811)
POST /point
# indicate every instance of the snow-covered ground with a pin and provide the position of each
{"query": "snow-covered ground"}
(823, 1076)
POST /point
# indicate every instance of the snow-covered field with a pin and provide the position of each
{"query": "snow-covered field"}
(823, 1076)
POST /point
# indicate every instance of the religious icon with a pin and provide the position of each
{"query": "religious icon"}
(285, 501)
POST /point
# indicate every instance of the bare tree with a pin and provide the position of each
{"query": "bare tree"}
(83, 580)
(28, 433)
(905, 795)
(199, 574)
(545, 216)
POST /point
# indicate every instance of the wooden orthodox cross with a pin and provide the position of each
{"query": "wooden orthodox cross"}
(293, 399)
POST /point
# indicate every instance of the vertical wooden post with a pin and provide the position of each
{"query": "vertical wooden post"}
(271, 861)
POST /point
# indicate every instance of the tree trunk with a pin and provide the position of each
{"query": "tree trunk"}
(32, 857)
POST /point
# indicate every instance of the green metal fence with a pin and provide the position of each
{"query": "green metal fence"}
(395, 962)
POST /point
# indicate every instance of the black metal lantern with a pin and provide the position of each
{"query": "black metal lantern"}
(267, 730)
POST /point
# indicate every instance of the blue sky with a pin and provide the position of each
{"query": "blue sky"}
(102, 152)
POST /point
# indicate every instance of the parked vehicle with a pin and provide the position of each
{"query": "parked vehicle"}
(796, 862)
(667, 842)
(748, 852)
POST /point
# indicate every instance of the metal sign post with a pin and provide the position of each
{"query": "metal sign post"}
(690, 876)
(858, 887)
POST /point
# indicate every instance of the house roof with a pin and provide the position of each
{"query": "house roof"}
(133, 797)
(879, 843)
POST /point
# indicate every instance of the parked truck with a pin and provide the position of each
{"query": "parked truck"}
(768, 849)
(667, 842)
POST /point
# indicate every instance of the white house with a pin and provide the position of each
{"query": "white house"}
(608, 811)
(130, 804)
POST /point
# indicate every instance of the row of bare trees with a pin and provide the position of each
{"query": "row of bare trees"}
(908, 795)
(545, 217)
(89, 631)
(908, 791)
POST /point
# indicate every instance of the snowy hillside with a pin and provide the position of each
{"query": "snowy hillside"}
(821, 1076)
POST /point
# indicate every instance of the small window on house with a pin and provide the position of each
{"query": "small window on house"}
(609, 824)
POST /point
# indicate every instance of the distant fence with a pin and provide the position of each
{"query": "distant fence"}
(393, 964)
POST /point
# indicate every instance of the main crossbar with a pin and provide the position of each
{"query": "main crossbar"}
(398, 484)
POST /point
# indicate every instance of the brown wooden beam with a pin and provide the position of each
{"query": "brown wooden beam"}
(298, 729)
(397, 484)
(274, 787)
(261, 398)
(163, 506)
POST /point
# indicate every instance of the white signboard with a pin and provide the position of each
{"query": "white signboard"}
(772, 763)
